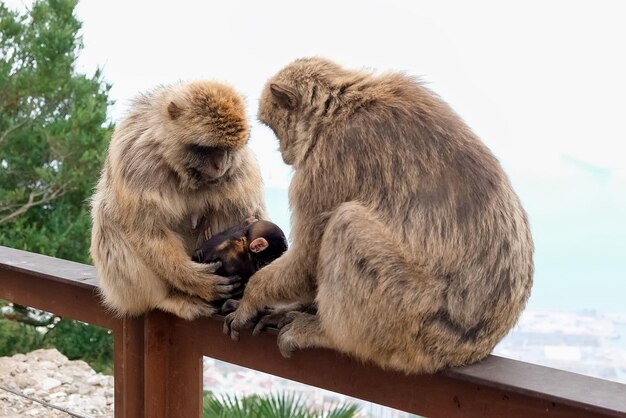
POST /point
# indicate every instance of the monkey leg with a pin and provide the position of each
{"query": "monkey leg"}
(288, 279)
(370, 297)
(186, 307)
(302, 330)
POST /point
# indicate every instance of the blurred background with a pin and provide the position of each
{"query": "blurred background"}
(542, 83)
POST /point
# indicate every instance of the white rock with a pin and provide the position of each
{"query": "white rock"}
(19, 357)
(49, 383)
(57, 395)
(50, 376)
(22, 368)
(45, 364)
(98, 379)
(98, 402)
(48, 355)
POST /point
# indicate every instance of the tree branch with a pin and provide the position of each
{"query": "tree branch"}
(6, 133)
(33, 202)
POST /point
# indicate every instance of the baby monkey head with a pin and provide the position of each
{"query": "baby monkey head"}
(294, 102)
(206, 126)
(243, 249)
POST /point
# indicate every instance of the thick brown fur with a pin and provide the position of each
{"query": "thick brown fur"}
(177, 165)
(405, 229)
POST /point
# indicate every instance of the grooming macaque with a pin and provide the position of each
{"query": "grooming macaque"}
(176, 166)
(405, 229)
(243, 249)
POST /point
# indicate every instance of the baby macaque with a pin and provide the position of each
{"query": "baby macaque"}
(243, 249)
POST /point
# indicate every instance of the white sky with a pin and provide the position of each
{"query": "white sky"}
(535, 79)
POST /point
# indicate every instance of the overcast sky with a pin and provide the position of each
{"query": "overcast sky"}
(535, 79)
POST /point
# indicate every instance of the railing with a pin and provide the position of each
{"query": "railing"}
(158, 361)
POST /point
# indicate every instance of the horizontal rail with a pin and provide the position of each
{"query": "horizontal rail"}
(158, 368)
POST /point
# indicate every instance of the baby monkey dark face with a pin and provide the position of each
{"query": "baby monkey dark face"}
(243, 249)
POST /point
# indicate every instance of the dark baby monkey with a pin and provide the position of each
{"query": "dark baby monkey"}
(243, 249)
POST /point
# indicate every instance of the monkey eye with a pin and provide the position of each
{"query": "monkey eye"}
(202, 149)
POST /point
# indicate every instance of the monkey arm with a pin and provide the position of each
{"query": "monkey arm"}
(288, 279)
(164, 252)
(291, 278)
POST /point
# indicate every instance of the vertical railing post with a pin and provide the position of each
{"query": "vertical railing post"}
(186, 372)
(172, 368)
(128, 343)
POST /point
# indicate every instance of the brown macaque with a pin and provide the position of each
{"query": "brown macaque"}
(243, 249)
(406, 231)
(177, 165)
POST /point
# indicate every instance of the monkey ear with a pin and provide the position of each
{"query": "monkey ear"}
(285, 96)
(174, 110)
(258, 245)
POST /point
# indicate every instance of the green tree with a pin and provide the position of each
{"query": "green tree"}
(53, 138)
(53, 131)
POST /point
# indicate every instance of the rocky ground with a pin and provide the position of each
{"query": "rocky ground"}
(49, 376)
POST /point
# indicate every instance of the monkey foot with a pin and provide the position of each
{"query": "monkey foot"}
(273, 319)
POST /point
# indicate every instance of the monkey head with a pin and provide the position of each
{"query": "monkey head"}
(296, 98)
(243, 249)
(206, 126)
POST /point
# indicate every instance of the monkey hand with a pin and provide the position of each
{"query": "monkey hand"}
(214, 287)
(244, 317)
(228, 287)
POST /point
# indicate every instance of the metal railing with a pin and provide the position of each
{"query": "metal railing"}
(158, 360)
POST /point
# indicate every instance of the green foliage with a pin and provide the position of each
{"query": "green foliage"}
(78, 340)
(53, 138)
(26, 332)
(270, 406)
(16, 338)
(53, 131)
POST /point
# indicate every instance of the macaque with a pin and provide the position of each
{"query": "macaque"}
(406, 232)
(243, 249)
(177, 165)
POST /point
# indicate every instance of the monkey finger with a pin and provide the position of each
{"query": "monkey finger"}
(230, 327)
(286, 342)
(231, 280)
(229, 306)
(275, 320)
(228, 320)
(229, 291)
(230, 294)
(212, 267)
(234, 335)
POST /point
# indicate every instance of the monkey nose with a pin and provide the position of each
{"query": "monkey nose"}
(218, 166)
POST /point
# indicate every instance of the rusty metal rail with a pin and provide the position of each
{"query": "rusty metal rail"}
(158, 361)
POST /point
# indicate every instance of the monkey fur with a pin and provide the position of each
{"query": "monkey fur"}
(406, 232)
(243, 249)
(177, 165)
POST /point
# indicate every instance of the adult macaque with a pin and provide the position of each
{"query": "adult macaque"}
(177, 165)
(405, 229)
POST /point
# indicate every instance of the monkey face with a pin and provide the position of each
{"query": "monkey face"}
(207, 126)
(206, 164)
(301, 88)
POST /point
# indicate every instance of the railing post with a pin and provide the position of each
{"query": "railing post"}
(172, 368)
(128, 368)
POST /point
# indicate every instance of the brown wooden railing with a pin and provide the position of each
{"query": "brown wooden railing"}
(158, 361)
